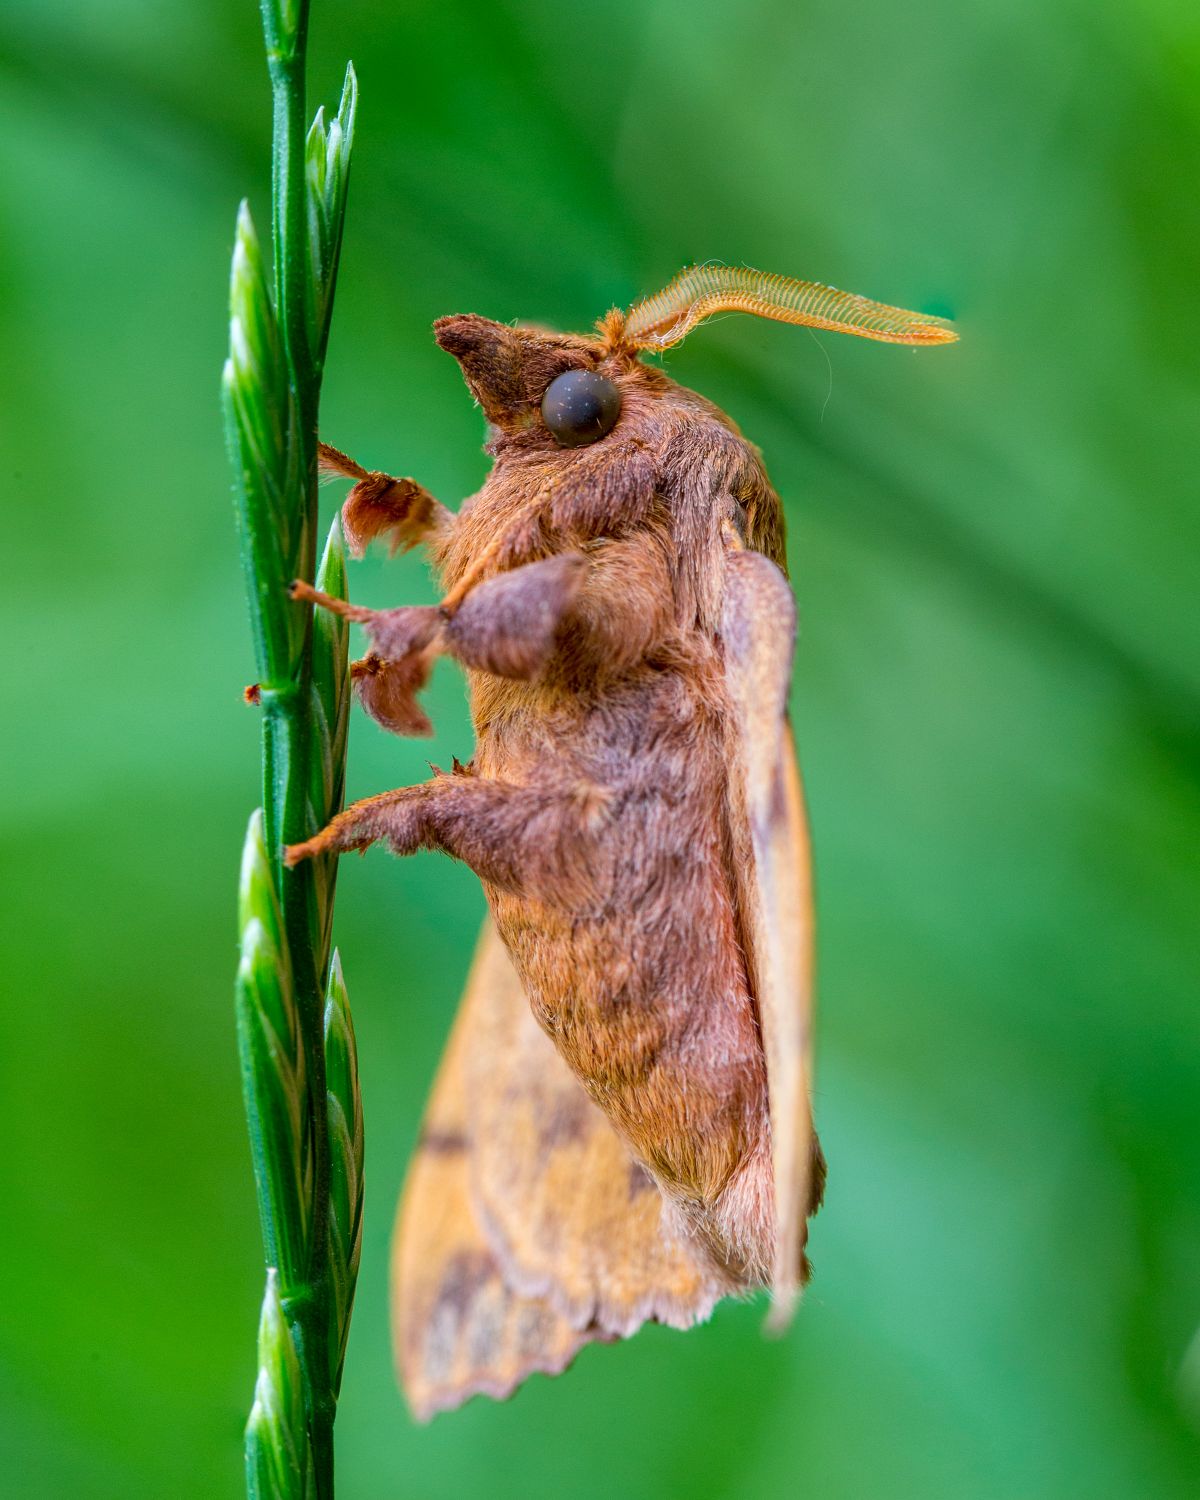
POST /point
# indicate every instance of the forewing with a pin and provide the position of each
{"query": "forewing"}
(458, 1328)
(571, 1214)
(526, 1229)
(772, 875)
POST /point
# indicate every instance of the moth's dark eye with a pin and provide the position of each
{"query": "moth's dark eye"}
(580, 406)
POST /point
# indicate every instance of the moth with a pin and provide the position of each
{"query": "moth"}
(621, 1130)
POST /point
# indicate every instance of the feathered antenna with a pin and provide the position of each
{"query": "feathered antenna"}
(700, 291)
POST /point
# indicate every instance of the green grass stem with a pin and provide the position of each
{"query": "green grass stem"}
(295, 1037)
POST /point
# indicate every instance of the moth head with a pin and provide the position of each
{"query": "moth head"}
(555, 385)
(562, 390)
(700, 292)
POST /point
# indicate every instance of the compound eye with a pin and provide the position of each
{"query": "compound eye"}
(580, 406)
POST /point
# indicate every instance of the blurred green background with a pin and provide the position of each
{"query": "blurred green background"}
(994, 548)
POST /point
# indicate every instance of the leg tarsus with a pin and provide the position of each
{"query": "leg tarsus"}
(390, 815)
(306, 594)
(332, 462)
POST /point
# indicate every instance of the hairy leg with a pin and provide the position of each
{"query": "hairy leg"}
(538, 841)
(381, 505)
(506, 625)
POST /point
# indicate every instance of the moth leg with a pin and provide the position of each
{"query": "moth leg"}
(406, 641)
(538, 841)
(618, 601)
(506, 625)
(381, 505)
(388, 690)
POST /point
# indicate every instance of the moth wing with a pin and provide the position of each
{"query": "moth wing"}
(773, 878)
(458, 1328)
(573, 1217)
(526, 1229)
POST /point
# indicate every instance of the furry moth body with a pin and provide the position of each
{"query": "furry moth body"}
(621, 1129)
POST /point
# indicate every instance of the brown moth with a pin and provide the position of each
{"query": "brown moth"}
(621, 1129)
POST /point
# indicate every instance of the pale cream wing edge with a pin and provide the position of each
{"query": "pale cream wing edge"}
(772, 876)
